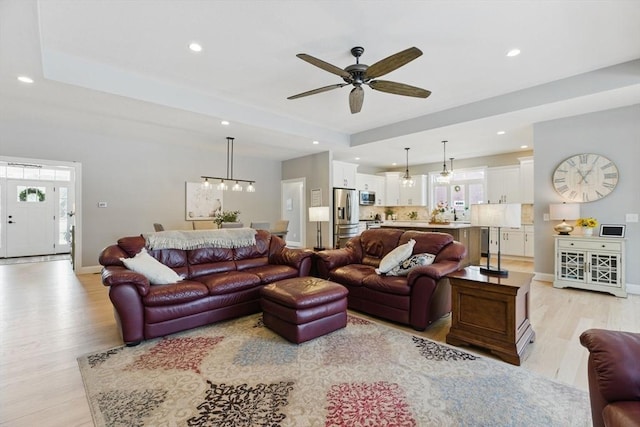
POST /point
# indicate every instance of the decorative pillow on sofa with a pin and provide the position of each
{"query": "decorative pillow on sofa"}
(151, 268)
(395, 257)
(409, 264)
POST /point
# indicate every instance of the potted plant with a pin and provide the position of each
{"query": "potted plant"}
(587, 224)
(226, 216)
(388, 212)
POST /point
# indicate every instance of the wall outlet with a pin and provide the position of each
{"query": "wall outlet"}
(545, 217)
(631, 217)
(102, 204)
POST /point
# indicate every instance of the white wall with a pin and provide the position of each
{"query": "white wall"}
(613, 133)
(141, 179)
(316, 169)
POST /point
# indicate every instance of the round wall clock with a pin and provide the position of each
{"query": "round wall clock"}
(585, 177)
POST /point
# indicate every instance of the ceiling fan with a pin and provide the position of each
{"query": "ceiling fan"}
(361, 74)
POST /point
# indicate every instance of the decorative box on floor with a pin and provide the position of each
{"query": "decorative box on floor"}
(304, 308)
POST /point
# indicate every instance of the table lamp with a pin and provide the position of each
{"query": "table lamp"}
(495, 215)
(319, 214)
(564, 211)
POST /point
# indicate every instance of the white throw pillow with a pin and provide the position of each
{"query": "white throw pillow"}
(151, 268)
(409, 264)
(396, 256)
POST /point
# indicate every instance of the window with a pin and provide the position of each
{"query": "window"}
(467, 187)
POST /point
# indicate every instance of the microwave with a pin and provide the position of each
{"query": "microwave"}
(367, 198)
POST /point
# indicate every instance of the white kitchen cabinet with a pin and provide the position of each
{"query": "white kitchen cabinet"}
(416, 195)
(380, 190)
(526, 179)
(364, 182)
(503, 184)
(528, 241)
(344, 174)
(392, 188)
(511, 241)
(594, 263)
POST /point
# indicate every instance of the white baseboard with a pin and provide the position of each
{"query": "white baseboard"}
(632, 288)
(89, 269)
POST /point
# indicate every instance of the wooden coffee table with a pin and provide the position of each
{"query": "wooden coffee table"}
(491, 312)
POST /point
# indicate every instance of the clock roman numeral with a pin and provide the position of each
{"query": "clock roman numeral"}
(559, 180)
(563, 189)
(611, 175)
(608, 185)
(571, 162)
(584, 158)
(608, 165)
(585, 197)
(595, 160)
(600, 195)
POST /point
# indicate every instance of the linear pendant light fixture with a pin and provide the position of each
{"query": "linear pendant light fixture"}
(407, 180)
(222, 185)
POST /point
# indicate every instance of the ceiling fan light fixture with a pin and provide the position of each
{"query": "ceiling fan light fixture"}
(359, 74)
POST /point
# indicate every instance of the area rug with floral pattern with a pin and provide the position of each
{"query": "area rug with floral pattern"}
(239, 373)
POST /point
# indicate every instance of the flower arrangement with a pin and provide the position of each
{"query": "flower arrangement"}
(225, 216)
(587, 222)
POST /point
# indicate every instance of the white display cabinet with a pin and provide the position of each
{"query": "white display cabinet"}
(594, 263)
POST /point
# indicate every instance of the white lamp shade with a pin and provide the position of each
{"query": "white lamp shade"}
(562, 211)
(496, 215)
(319, 214)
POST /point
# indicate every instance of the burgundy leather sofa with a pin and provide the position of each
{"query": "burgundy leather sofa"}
(417, 299)
(614, 377)
(218, 284)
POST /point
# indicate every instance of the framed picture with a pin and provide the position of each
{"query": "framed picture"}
(612, 230)
(202, 203)
(316, 197)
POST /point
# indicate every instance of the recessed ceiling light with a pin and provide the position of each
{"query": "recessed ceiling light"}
(224, 123)
(513, 52)
(501, 132)
(195, 47)
(394, 164)
(316, 142)
(524, 146)
(25, 79)
(357, 158)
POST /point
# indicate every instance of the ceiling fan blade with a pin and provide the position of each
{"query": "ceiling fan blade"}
(319, 90)
(324, 65)
(392, 62)
(355, 99)
(398, 88)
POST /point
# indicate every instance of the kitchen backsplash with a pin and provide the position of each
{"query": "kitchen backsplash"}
(403, 213)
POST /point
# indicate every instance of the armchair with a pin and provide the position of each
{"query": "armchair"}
(614, 377)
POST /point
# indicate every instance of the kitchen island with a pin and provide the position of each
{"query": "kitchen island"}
(461, 231)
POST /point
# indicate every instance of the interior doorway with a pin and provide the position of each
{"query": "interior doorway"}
(37, 207)
(292, 208)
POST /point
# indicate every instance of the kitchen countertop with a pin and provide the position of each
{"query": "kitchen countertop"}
(424, 224)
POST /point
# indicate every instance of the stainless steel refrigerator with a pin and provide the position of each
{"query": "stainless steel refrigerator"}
(345, 215)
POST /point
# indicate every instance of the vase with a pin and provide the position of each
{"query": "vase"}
(588, 231)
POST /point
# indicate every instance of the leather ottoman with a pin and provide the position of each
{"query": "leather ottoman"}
(304, 308)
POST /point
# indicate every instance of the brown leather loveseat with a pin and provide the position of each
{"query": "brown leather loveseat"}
(614, 376)
(418, 299)
(219, 284)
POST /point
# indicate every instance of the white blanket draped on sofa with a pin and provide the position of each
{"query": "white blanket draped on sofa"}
(194, 239)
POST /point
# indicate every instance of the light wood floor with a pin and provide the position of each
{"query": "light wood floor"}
(49, 317)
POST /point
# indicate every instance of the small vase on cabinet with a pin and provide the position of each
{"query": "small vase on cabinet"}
(587, 231)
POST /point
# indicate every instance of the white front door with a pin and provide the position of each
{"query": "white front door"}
(30, 220)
